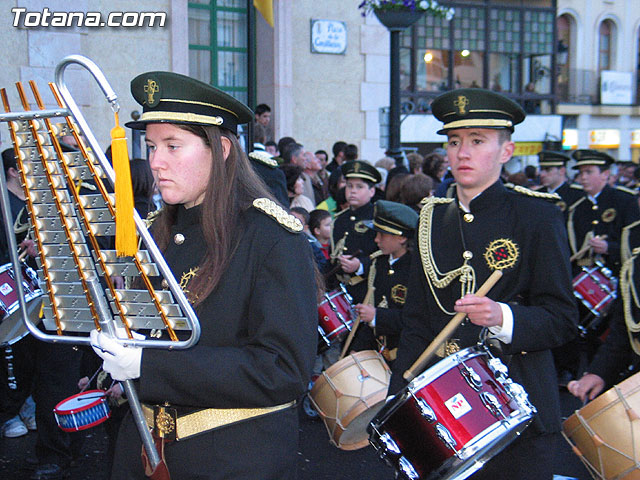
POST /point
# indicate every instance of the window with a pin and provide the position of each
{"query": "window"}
(218, 44)
(605, 38)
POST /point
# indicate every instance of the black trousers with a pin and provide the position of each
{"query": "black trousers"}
(529, 457)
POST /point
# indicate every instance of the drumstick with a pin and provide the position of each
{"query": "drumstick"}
(448, 330)
(366, 301)
(581, 252)
(22, 254)
(338, 267)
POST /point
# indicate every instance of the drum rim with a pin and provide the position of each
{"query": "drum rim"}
(98, 401)
(437, 370)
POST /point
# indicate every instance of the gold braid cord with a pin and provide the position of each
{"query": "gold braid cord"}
(435, 278)
(629, 295)
(570, 228)
(67, 225)
(625, 246)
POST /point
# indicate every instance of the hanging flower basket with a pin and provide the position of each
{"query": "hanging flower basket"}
(398, 19)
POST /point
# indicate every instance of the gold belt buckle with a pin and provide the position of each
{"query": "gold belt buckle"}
(164, 422)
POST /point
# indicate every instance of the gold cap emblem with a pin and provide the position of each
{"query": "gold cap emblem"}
(151, 88)
(462, 103)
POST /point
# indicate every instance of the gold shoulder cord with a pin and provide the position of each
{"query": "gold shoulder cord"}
(570, 229)
(625, 247)
(628, 290)
(434, 277)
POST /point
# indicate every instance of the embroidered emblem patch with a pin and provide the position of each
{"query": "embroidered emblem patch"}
(151, 88)
(609, 215)
(186, 278)
(462, 103)
(360, 227)
(561, 205)
(399, 294)
(501, 254)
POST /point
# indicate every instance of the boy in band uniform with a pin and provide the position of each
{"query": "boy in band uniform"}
(461, 240)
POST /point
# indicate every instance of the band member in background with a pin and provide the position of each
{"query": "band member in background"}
(394, 224)
(247, 269)
(461, 240)
(351, 241)
(553, 177)
(596, 220)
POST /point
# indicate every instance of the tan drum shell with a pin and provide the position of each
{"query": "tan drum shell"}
(603, 433)
(349, 394)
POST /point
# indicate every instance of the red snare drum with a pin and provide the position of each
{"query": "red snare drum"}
(81, 411)
(335, 317)
(452, 419)
(12, 328)
(596, 288)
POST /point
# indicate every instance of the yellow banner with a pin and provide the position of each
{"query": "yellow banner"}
(527, 148)
(265, 7)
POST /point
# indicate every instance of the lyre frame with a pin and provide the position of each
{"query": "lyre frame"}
(106, 320)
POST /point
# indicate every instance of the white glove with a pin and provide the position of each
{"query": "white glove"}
(121, 362)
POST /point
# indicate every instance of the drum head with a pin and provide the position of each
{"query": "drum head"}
(12, 328)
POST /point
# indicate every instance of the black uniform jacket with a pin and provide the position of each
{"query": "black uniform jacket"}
(615, 209)
(258, 343)
(615, 354)
(349, 224)
(525, 238)
(391, 289)
(569, 194)
(274, 178)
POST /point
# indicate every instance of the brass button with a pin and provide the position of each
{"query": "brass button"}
(165, 284)
(594, 207)
(595, 222)
(352, 218)
(178, 239)
(468, 217)
(391, 272)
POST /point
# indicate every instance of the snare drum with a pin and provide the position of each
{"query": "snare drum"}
(347, 396)
(12, 327)
(452, 419)
(335, 317)
(83, 410)
(596, 288)
(605, 433)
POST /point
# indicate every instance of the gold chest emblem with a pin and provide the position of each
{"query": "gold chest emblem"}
(151, 88)
(609, 215)
(360, 227)
(501, 254)
(562, 205)
(399, 294)
(462, 103)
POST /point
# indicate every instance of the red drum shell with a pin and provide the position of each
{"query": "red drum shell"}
(335, 315)
(595, 289)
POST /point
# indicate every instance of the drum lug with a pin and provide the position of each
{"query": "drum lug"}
(407, 469)
(492, 404)
(472, 378)
(425, 410)
(499, 369)
(389, 445)
(443, 434)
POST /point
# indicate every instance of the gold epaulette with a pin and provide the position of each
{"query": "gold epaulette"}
(576, 186)
(375, 254)
(532, 193)
(151, 217)
(265, 158)
(626, 190)
(279, 214)
(436, 200)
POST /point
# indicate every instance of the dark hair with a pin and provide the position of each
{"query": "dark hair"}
(338, 147)
(432, 164)
(530, 171)
(334, 181)
(322, 152)
(263, 107)
(142, 183)
(350, 152)
(316, 217)
(341, 197)
(9, 160)
(271, 143)
(415, 188)
(283, 142)
(303, 212)
(292, 173)
(394, 187)
(259, 133)
(415, 161)
(233, 186)
(290, 150)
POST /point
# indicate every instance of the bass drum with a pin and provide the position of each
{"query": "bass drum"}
(12, 327)
(448, 422)
(605, 433)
